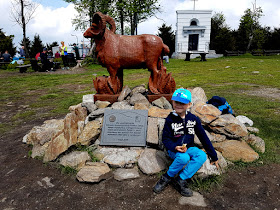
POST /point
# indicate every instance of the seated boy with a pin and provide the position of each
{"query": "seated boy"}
(178, 138)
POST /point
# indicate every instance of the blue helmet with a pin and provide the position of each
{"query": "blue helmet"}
(182, 95)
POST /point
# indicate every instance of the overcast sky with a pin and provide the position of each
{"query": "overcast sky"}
(52, 20)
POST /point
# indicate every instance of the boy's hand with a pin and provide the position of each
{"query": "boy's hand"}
(181, 149)
(216, 163)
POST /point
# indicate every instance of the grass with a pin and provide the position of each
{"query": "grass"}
(50, 95)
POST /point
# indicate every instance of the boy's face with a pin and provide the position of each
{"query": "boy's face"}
(180, 108)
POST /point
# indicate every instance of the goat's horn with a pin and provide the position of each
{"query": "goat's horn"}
(111, 21)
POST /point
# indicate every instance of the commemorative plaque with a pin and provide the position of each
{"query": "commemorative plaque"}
(124, 128)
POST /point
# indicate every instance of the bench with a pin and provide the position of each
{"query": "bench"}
(56, 65)
(23, 68)
(202, 55)
(234, 53)
(271, 52)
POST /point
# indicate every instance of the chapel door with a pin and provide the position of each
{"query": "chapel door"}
(193, 42)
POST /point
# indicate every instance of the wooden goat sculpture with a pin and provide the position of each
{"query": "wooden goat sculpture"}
(118, 52)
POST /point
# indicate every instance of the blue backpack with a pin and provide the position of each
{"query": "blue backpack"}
(221, 103)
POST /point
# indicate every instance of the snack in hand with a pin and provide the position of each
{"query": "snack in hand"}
(184, 146)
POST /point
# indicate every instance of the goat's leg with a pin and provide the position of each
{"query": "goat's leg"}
(153, 81)
(113, 80)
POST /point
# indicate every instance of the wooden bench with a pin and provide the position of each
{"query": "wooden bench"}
(271, 52)
(56, 65)
(234, 53)
(23, 68)
(202, 55)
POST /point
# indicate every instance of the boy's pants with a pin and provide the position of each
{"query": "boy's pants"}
(193, 158)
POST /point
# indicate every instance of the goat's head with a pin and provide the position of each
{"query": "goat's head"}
(99, 25)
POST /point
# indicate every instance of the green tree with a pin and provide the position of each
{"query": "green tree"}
(6, 43)
(86, 9)
(167, 36)
(36, 46)
(138, 11)
(50, 46)
(272, 41)
(221, 37)
(249, 28)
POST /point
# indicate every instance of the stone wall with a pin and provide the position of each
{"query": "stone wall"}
(82, 126)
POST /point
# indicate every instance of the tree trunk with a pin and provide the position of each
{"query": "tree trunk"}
(24, 28)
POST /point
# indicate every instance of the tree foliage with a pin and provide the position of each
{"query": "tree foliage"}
(167, 36)
(6, 43)
(36, 46)
(130, 12)
(249, 28)
(221, 37)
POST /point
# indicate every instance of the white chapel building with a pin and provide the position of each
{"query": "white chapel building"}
(193, 30)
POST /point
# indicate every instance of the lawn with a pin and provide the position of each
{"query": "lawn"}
(246, 82)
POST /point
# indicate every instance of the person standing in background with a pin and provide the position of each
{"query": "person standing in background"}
(22, 52)
(76, 52)
(63, 53)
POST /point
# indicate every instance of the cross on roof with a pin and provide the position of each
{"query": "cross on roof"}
(194, 3)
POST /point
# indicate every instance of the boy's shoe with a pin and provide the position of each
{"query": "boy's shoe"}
(181, 186)
(162, 183)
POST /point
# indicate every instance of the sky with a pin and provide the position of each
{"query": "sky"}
(53, 18)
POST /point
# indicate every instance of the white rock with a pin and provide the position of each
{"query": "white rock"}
(123, 174)
(88, 98)
(196, 200)
(245, 120)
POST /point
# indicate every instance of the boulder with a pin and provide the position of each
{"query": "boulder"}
(198, 94)
(218, 137)
(90, 132)
(228, 125)
(161, 123)
(234, 150)
(94, 172)
(162, 103)
(208, 170)
(39, 150)
(138, 98)
(253, 130)
(123, 174)
(256, 142)
(245, 120)
(88, 98)
(157, 112)
(152, 131)
(42, 134)
(122, 105)
(141, 106)
(102, 104)
(76, 159)
(90, 106)
(120, 157)
(206, 112)
(56, 146)
(138, 89)
(125, 92)
(152, 161)
(196, 200)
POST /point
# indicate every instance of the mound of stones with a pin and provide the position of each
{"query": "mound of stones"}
(56, 139)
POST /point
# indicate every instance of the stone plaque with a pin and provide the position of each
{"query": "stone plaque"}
(124, 127)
